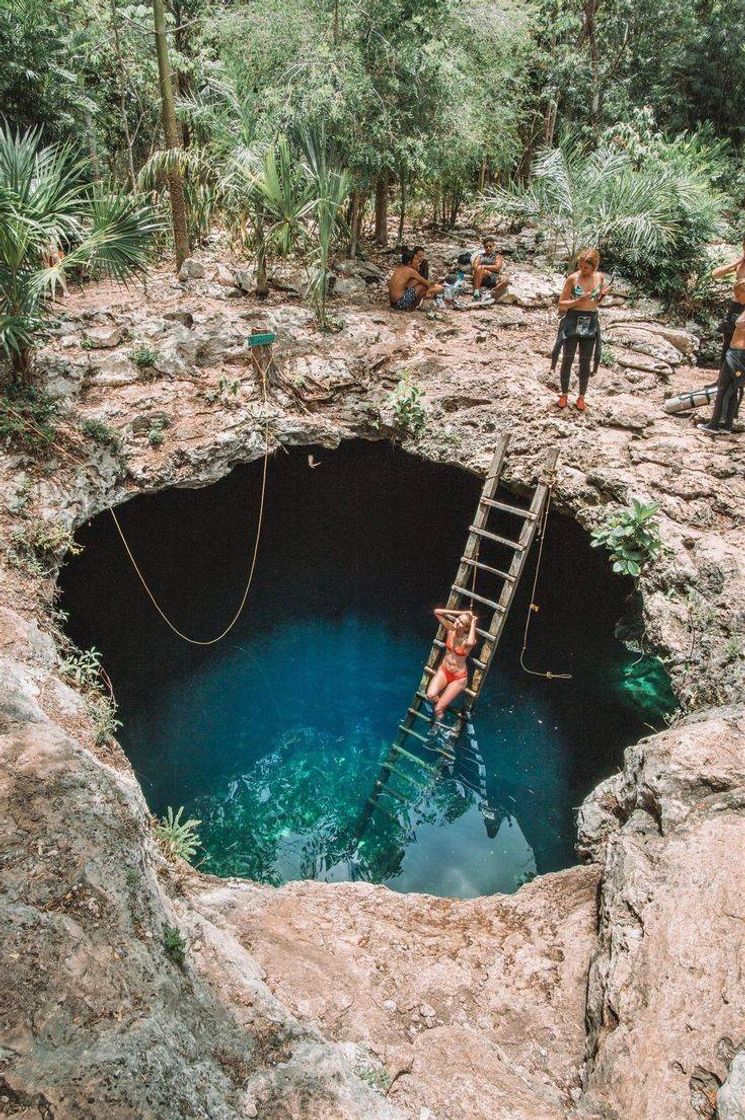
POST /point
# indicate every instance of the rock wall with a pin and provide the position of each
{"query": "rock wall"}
(609, 991)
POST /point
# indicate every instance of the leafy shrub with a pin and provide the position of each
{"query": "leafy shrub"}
(178, 839)
(101, 433)
(143, 357)
(83, 667)
(409, 414)
(102, 710)
(155, 437)
(27, 418)
(38, 547)
(631, 536)
(174, 944)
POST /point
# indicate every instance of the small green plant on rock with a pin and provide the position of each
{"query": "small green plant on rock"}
(102, 710)
(607, 356)
(174, 944)
(27, 417)
(82, 667)
(143, 357)
(409, 414)
(632, 536)
(38, 547)
(101, 433)
(178, 839)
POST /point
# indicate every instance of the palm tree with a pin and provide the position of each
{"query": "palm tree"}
(602, 198)
(329, 186)
(51, 222)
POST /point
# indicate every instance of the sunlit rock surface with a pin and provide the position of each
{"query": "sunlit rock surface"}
(331, 1001)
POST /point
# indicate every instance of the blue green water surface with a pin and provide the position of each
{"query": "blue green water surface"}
(274, 737)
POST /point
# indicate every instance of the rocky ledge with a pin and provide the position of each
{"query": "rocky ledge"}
(133, 988)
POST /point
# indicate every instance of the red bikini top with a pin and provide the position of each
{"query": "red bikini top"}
(459, 651)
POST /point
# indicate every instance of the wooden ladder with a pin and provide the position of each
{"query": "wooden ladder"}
(415, 728)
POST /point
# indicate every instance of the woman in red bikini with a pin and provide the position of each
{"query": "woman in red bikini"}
(452, 675)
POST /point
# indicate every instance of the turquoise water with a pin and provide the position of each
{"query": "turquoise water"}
(273, 739)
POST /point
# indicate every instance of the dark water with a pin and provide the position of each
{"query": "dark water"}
(274, 737)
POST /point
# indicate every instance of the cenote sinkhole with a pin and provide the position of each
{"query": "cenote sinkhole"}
(274, 738)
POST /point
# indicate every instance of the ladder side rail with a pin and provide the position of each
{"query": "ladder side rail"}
(517, 566)
(489, 489)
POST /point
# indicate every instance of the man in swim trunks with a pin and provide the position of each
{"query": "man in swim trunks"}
(486, 267)
(407, 287)
(732, 374)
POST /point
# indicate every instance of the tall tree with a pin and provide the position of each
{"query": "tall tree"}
(172, 134)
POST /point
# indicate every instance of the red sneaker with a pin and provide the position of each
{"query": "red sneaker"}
(562, 401)
(581, 406)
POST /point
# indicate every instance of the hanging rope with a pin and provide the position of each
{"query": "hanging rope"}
(179, 633)
(550, 481)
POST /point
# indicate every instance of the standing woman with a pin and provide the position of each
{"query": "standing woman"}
(579, 326)
(452, 675)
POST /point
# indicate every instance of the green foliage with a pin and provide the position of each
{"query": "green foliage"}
(27, 417)
(409, 413)
(651, 216)
(175, 945)
(144, 357)
(631, 536)
(82, 667)
(178, 839)
(52, 221)
(102, 710)
(101, 433)
(38, 547)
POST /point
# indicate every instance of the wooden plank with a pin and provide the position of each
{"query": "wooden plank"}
(487, 568)
(516, 510)
(495, 537)
(479, 598)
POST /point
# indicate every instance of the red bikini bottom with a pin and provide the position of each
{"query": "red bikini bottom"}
(450, 676)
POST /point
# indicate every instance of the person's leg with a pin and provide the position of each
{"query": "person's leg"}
(452, 691)
(586, 348)
(570, 349)
(724, 389)
(436, 685)
(478, 280)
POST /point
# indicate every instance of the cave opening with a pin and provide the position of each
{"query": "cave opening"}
(273, 739)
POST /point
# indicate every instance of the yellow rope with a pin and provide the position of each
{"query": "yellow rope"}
(550, 481)
(143, 581)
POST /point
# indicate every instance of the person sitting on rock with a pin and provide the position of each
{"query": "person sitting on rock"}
(579, 326)
(407, 286)
(486, 267)
(731, 376)
(735, 307)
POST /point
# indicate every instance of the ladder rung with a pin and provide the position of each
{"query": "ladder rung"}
(500, 540)
(442, 645)
(487, 568)
(478, 598)
(486, 635)
(373, 801)
(408, 731)
(419, 715)
(413, 758)
(406, 777)
(385, 788)
(526, 513)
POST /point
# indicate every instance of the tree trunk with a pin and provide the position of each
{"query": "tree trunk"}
(483, 171)
(262, 286)
(354, 220)
(402, 215)
(590, 30)
(172, 135)
(381, 209)
(123, 96)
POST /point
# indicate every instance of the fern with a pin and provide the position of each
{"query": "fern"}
(178, 839)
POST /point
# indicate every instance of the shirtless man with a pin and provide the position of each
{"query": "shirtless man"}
(486, 267)
(736, 306)
(407, 287)
(732, 374)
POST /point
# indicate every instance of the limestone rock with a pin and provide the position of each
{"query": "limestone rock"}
(223, 276)
(192, 269)
(104, 338)
(530, 290)
(665, 985)
(731, 1096)
(184, 317)
(644, 341)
